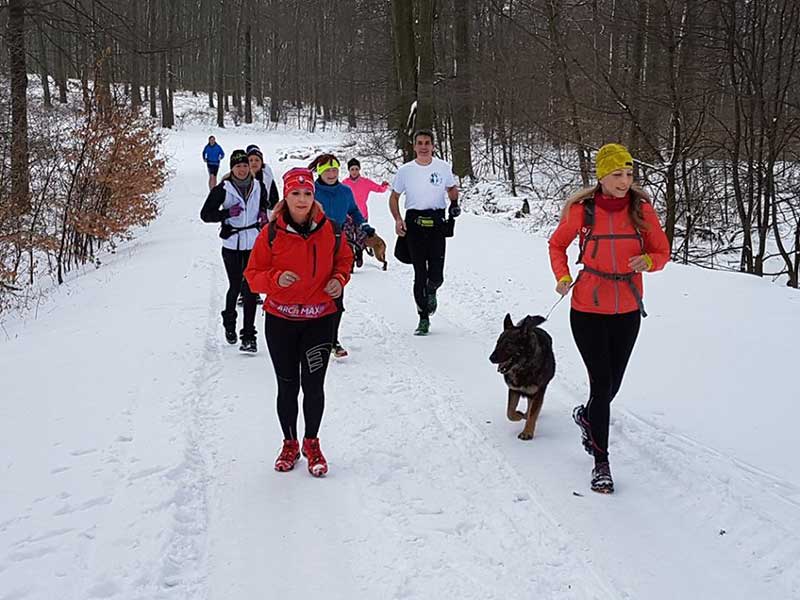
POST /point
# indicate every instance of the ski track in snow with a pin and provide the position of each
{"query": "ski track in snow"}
(153, 478)
(439, 481)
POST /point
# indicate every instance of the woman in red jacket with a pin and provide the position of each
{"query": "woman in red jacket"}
(300, 263)
(620, 237)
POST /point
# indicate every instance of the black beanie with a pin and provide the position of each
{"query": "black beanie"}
(353, 162)
(253, 150)
(239, 157)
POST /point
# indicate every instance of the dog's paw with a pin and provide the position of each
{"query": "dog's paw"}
(524, 435)
(516, 416)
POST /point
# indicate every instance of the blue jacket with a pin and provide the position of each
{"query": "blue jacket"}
(213, 154)
(338, 201)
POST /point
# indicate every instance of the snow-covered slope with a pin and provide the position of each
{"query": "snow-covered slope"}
(137, 446)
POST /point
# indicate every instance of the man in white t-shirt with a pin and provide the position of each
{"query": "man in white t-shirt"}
(428, 184)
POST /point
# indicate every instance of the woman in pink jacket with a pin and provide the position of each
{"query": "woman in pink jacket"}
(362, 186)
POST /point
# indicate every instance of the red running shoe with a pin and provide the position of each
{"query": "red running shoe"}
(289, 455)
(317, 465)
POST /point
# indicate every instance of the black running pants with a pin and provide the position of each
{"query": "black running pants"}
(235, 263)
(300, 351)
(426, 246)
(605, 343)
(336, 321)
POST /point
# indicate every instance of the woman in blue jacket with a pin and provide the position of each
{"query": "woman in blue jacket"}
(338, 202)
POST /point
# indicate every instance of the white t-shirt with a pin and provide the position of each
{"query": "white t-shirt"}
(425, 186)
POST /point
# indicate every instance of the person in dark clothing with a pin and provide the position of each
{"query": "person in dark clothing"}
(300, 262)
(428, 183)
(339, 204)
(212, 156)
(263, 173)
(240, 204)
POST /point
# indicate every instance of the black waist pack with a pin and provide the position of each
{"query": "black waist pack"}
(449, 227)
(226, 230)
(401, 252)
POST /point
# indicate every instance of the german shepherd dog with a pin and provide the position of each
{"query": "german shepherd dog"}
(377, 247)
(524, 356)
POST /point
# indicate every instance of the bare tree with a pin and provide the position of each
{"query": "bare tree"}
(425, 61)
(20, 185)
(402, 16)
(462, 95)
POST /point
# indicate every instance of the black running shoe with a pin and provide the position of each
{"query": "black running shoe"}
(424, 326)
(601, 479)
(433, 304)
(249, 345)
(579, 416)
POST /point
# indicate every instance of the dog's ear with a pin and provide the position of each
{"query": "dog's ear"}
(507, 322)
(530, 322)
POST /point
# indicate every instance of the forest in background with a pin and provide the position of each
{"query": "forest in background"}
(705, 93)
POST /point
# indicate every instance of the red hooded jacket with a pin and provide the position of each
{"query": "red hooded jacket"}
(310, 256)
(594, 293)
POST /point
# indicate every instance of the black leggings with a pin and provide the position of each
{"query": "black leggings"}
(426, 246)
(300, 351)
(235, 264)
(336, 321)
(605, 343)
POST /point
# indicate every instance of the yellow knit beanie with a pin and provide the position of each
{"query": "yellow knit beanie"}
(610, 158)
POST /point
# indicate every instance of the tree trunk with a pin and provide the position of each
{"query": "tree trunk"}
(210, 45)
(221, 98)
(554, 14)
(636, 83)
(151, 62)
(79, 12)
(425, 58)
(462, 99)
(275, 77)
(61, 69)
(136, 69)
(162, 89)
(172, 8)
(248, 73)
(403, 19)
(20, 185)
(43, 67)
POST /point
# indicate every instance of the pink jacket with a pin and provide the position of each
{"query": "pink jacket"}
(361, 188)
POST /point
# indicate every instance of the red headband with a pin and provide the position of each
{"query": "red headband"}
(297, 178)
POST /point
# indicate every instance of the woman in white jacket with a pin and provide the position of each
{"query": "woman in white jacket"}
(240, 203)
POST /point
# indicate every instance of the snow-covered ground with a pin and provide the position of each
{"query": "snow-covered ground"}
(136, 447)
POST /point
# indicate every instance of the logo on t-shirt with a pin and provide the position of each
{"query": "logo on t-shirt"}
(435, 179)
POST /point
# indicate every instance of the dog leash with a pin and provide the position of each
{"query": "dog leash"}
(552, 308)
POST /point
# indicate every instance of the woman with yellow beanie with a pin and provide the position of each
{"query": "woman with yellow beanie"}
(620, 238)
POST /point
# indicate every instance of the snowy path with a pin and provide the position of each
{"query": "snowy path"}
(137, 447)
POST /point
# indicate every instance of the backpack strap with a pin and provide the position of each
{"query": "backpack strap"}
(337, 232)
(272, 231)
(588, 226)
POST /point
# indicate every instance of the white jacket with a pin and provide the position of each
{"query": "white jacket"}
(243, 240)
